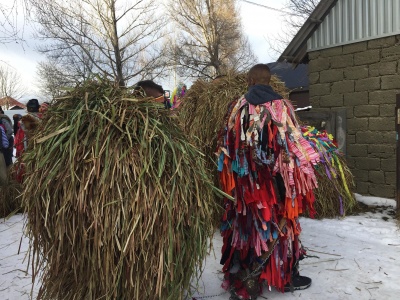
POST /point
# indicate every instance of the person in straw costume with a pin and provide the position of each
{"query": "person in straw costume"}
(117, 198)
(267, 166)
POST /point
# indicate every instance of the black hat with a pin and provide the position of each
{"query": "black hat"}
(34, 103)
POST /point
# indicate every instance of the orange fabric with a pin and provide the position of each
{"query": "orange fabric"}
(226, 178)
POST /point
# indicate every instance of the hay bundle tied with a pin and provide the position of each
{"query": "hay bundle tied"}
(118, 201)
(334, 195)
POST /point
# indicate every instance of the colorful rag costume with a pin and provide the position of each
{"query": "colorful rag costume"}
(177, 95)
(266, 165)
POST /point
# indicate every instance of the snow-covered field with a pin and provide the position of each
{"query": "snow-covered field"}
(357, 257)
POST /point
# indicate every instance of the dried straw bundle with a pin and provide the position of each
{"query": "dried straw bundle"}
(10, 201)
(334, 196)
(327, 201)
(118, 201)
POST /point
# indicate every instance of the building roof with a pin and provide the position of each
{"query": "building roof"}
(11, 102)
(16, 107)
(353, 21)
(296, 51)
(294, 78)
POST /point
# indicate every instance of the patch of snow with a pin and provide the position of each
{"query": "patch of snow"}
(375, 201)
(356, 257)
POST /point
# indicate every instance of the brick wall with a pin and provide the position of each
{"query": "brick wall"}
(364, 78)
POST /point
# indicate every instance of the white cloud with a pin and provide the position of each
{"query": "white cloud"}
(23, 58)
(262, 25)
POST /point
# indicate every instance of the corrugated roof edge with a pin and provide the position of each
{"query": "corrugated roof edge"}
(296, 51)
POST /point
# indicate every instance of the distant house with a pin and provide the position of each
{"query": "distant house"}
(352, 48)
(7, 103)
(295, 79)
(16, 107)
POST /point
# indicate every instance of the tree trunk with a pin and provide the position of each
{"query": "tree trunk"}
(119, 80)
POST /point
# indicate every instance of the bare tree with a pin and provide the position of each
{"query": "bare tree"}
(11, 84)
(12, 14)
(210, 40)
(300, 10)
(120, 39)
(52, 80)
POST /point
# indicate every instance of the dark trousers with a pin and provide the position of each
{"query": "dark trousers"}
(8, 153)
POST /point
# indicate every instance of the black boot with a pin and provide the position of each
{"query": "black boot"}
(298, 282)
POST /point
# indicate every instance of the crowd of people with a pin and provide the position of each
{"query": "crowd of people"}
(264, 164)
(15, 134)
(6, 145)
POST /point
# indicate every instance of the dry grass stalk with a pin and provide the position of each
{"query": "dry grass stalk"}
(335, 193)
(10, 200)
(327, 203)
(119, 204)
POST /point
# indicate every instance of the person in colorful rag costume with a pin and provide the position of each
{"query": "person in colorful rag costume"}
(266, 165)
(177, 95)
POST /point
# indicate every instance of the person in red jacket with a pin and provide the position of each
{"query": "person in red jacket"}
(26, 127)
(266, 165)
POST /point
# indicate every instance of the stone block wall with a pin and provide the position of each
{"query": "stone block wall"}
(364, 78)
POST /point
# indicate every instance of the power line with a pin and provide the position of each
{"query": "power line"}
(265, 6)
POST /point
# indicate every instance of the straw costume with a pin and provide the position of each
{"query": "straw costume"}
(267, 166)
(118, 201)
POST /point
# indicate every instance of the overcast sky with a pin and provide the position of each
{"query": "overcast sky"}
(260, 24)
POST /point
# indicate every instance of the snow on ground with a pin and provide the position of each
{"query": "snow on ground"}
(15, 281)
(357, 257)
(375, 201)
